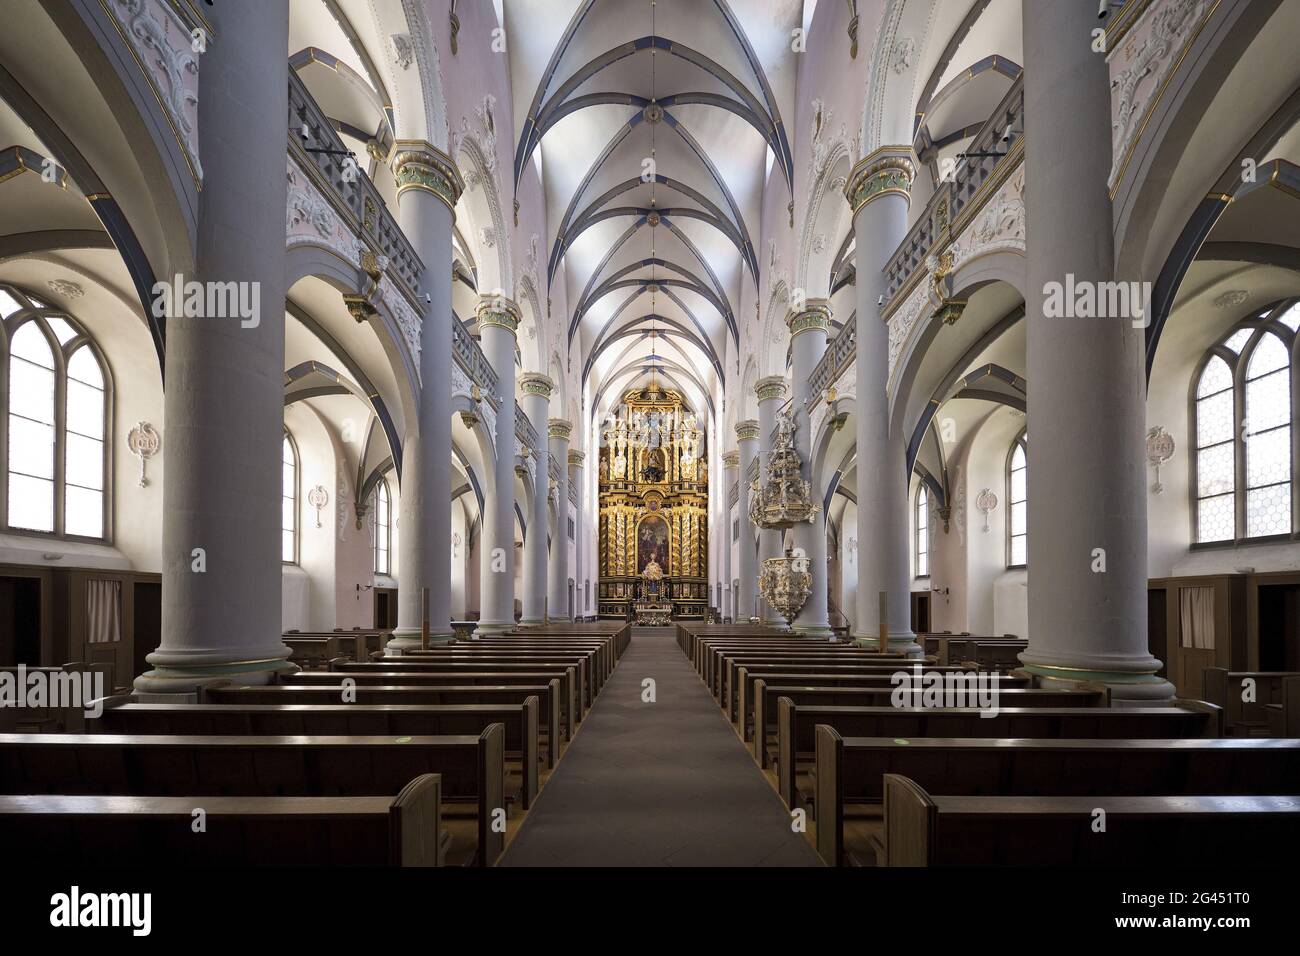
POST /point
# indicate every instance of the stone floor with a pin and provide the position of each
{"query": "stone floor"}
(657, 784)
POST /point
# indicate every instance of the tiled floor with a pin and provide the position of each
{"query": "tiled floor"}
(657, 784)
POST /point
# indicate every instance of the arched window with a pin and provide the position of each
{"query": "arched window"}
(289, 502)
(1243, 405)
(921, 546)
(383, 528)
(56, 420)
(1017, 504)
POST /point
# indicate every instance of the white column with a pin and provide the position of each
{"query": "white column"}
(224, 400)
(576, 459)
(878, 190)
(809, 330)
(747, 445)
(428, 186)
(537, 390)
(732, 472)
(498, 322)
(771, 392)
(1086, 383)
(558, 431)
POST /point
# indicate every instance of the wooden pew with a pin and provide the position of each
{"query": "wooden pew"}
(315, 650)
(987, 655)
(942, 646)
(123, 716)
(751, 670)
(73, 678)
(743, 699)
(569, 710)
(925, 830)
(471, 769)
(588, 679)
(548, 699)
(766, 697)
(721, 668)
(451, 671)
(603, 649)
(711, 654)
(850, 771)
(405, 830)
(796, 726)
(1284, 717)
(1225, 688)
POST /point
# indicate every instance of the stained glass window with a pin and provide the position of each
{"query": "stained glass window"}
(922, 532)
(1243, 468)
(55, 465)
(289, 503)
(1268, 438)
(383, 528)
(1017, 505)
(1215, 458)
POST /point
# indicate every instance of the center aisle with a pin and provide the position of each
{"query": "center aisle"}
(657, 784)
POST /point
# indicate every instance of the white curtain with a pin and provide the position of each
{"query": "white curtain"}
(103, 611)
(1196, 617)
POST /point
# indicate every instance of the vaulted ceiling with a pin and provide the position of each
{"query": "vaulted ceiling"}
(654, 127)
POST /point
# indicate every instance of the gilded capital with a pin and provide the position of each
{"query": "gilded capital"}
(535, 383)
(748, 429)
(769, 388)
(577, 459)
(815, 316)
(731, 459)
(560, 428)
(421, 165)
(499, 311)
(889, 170)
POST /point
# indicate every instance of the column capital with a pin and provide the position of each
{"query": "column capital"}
(577, 459)
(418, 164)
(888, 170)
(813, 317)
(773, 386)
(559, 428)
(749, 429)
(499, 311)
(731, 459)
(535, 383)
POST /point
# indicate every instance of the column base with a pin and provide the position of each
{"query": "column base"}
(820, 632)
(532, 622)
(404, 640)
(1126, 689)
(496, 627)
(899, 643)
(190, 678)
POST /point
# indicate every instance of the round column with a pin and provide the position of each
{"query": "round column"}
(731, 470)
(428, 186)
(536, 390)
(498, 323)
(576, 459)
(771, 392)
(1087, 539)
(809, 329)
(224, 401)
(747, 445)
(558, 431)
(878, 191)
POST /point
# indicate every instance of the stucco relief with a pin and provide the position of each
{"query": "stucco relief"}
(164, 45)
(1142, 64)
(904, 320)
(999, 226)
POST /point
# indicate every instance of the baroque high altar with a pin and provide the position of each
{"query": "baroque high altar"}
(654, 501)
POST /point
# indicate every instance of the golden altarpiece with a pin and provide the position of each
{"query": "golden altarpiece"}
(654, 500)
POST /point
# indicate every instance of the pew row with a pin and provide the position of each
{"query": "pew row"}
(548, 697)
(849, 774)
(123, 716)
(471, 770)
(1228, 689)
(765, 703)
(405, 830)
(796, 727)
(926, 830)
